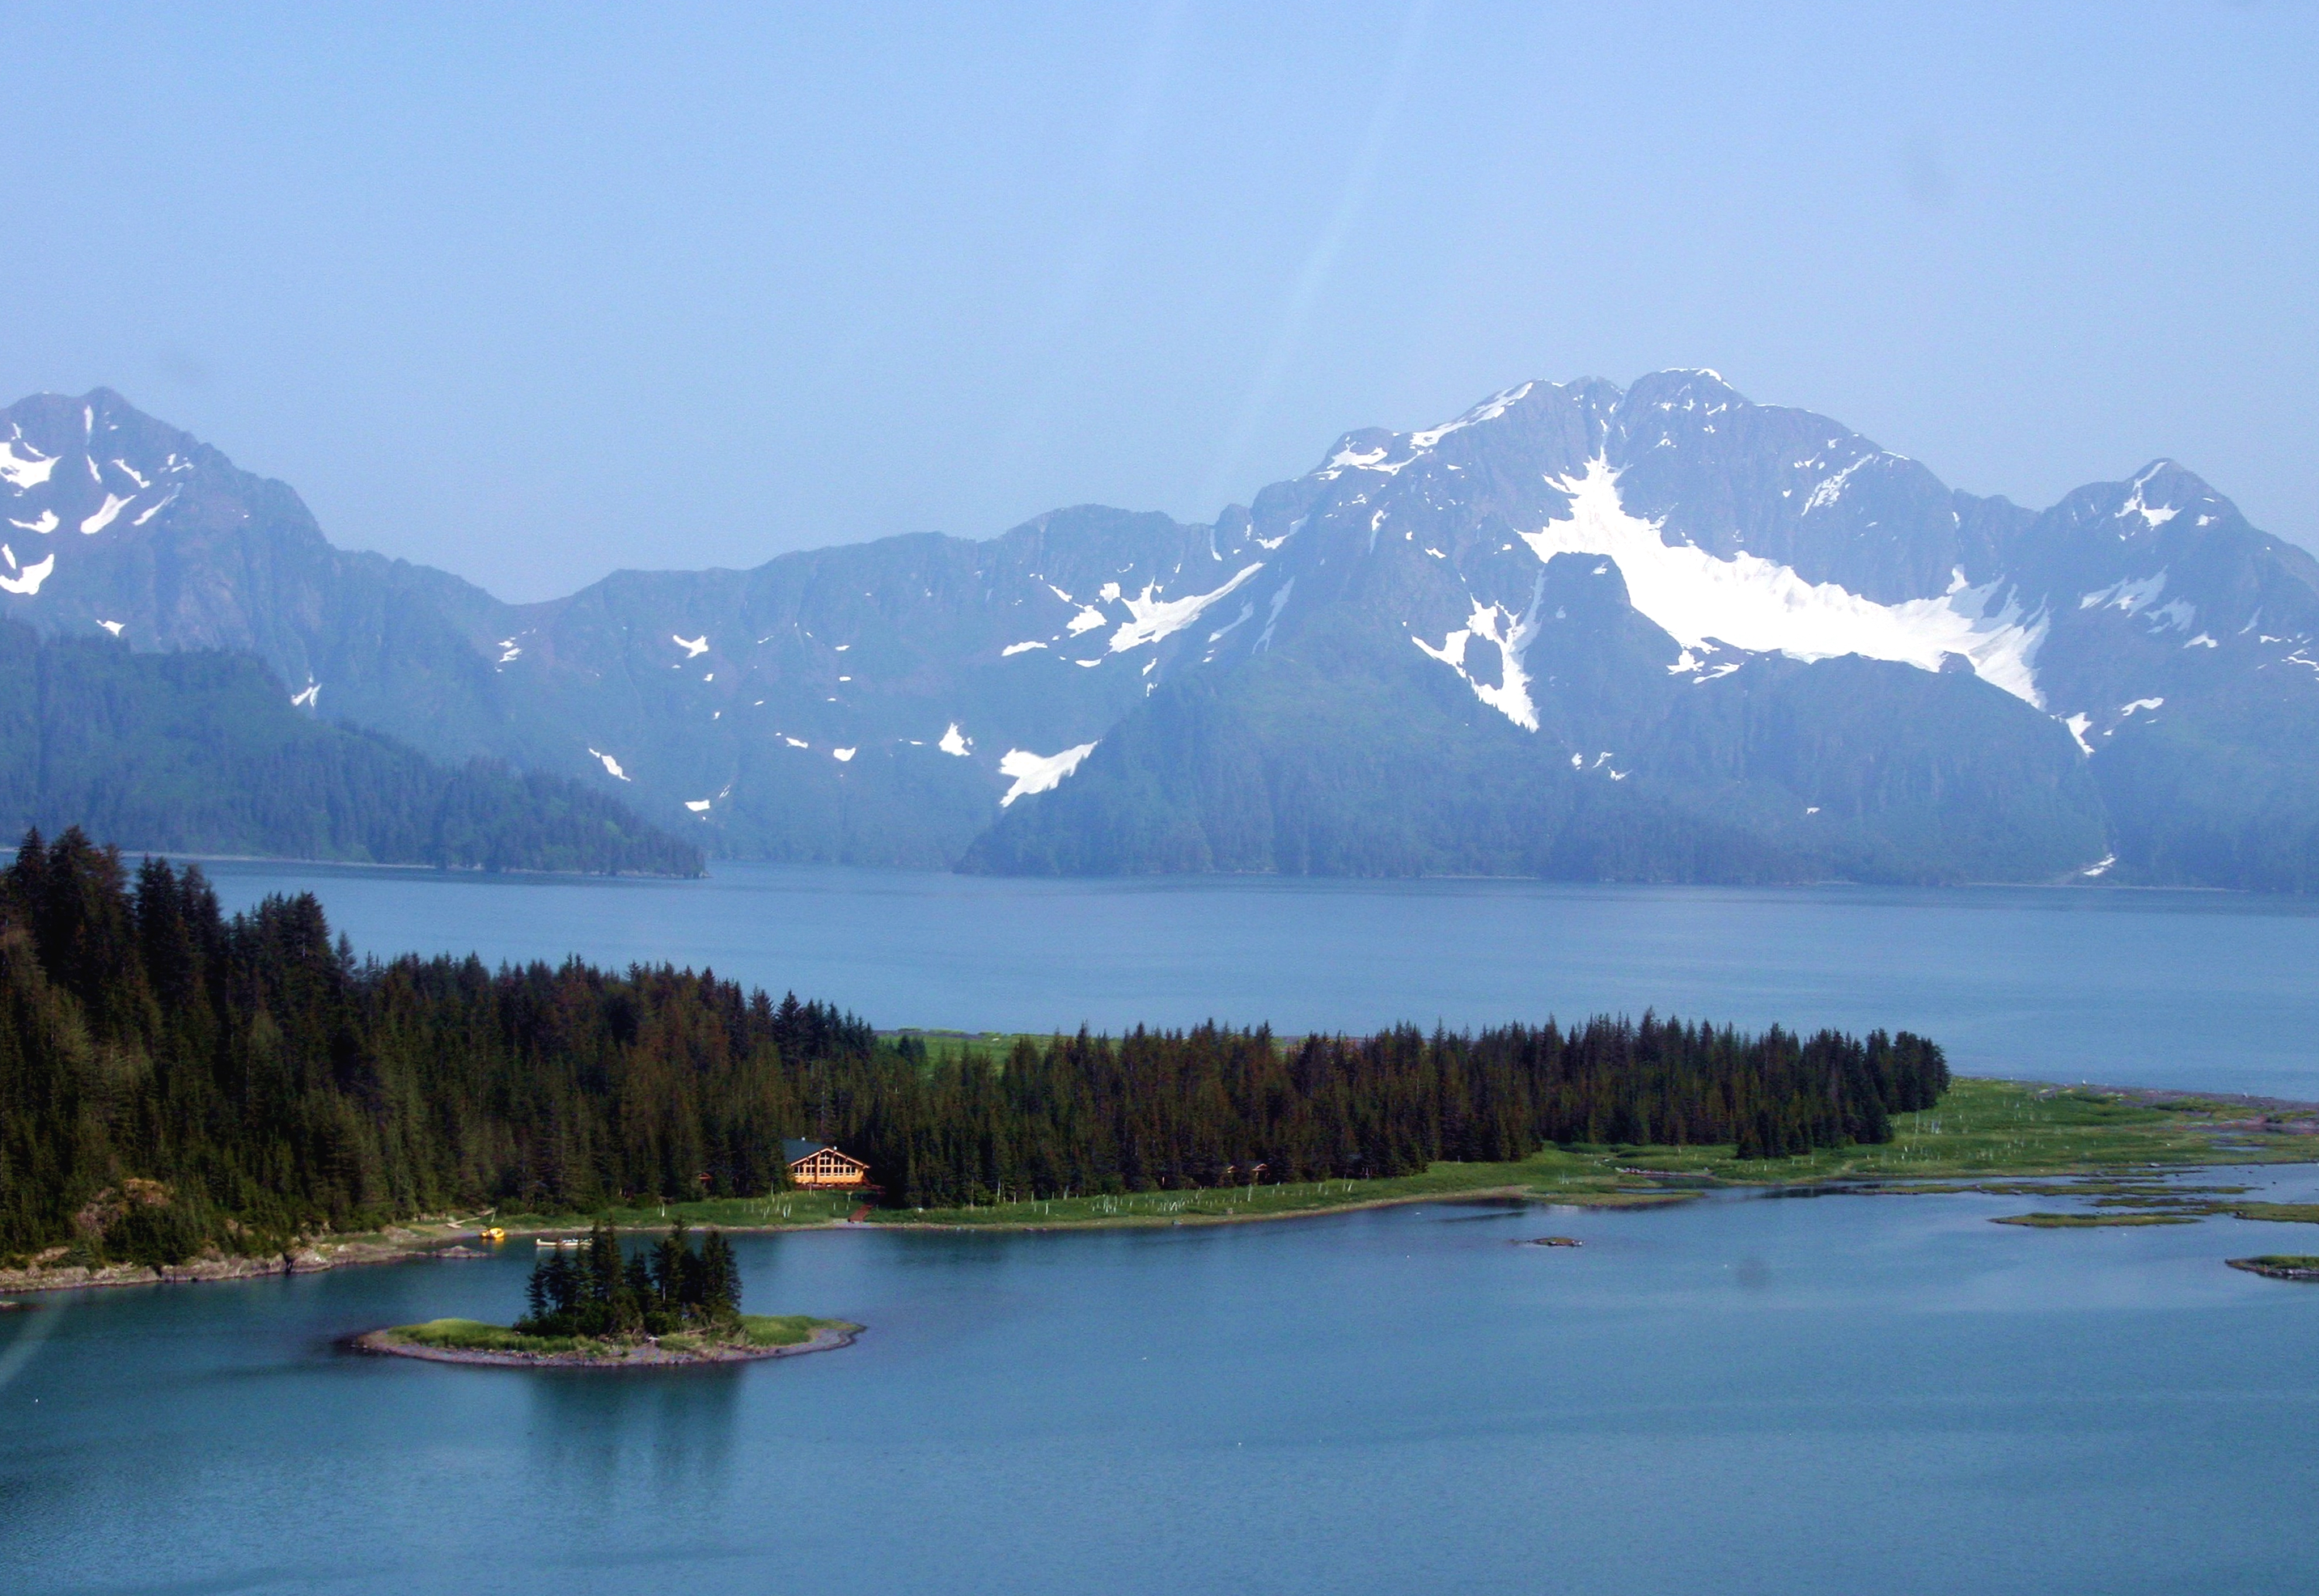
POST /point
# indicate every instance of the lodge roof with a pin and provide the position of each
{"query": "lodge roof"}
(796, 1147)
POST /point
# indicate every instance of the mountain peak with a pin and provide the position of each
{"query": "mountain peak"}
(2149, 500)
(1684, 388)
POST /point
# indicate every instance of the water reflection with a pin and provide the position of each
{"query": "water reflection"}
(602, 1426)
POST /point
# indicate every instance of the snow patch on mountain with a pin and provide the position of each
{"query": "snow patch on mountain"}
(1375, 459)
(2153, 515)
(1512, 635)
(1279, 603)
(1155, 618)
(104, 517)
(1489, 410)
(1012, 649)
(694, 647)
(1038, 773)
(955, 742)
(1831, 489)
(2129, 593)
(1762, 606)
(27, 581)
(46, 522)
(1247, 610)
(611, 765)
(20, 473)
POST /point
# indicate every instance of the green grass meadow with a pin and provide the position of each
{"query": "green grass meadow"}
(1982, 1131)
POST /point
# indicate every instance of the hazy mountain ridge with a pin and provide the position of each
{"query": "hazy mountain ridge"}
(1658, 632)
(200, 752)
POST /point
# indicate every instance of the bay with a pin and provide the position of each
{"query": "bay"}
(2215, 991)
(1790, 1397)
(1749, 1394)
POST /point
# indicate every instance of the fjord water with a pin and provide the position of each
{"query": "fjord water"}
(1790, 1397)
(1749, 1395)
(2197, 989)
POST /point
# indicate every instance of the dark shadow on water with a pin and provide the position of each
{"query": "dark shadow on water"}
(675, 1425)
(1492, 1208)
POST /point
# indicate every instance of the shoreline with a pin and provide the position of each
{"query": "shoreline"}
(649, 1354)
(1988, 1131)
(395, 1244)
(1621, 1199)
(357, 1253)
(407, 865)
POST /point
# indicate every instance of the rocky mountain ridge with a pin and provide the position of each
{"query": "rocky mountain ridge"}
(1657, 632)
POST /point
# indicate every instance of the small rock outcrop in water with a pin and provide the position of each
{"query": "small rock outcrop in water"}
(2278, 1266)
(1558, 1241)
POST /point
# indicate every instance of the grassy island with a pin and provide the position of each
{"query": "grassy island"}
(750, 1336)
(610, 1308)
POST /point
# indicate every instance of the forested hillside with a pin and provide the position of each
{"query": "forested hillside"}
(203, 752)
(171, 1079)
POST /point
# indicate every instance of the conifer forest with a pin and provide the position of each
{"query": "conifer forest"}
(174, 1079)
(606, 1290)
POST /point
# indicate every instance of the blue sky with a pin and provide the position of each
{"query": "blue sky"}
(535, 295)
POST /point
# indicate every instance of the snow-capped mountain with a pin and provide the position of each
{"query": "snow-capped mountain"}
(1663, 632)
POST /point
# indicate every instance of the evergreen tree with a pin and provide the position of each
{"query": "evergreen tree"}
(257, 1082)
(720, 1280)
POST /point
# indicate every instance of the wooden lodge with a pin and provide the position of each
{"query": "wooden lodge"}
(818, 1165)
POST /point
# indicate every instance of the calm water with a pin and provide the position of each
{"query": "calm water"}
(1790, 1397)
(1831, 1395)
(2170, 989)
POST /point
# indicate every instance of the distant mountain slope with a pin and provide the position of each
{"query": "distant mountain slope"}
(202, 753)
(1337, 752)
(1657, 632)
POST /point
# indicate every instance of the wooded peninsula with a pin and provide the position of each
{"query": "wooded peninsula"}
(176, 1081)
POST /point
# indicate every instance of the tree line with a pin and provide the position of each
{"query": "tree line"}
(606, 1290)
(172, 1077)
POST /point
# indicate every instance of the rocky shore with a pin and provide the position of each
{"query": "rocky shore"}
(50, 1272)
(644, 1353)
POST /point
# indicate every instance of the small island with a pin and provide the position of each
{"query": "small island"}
(594, 1304)
(2279, 1265)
